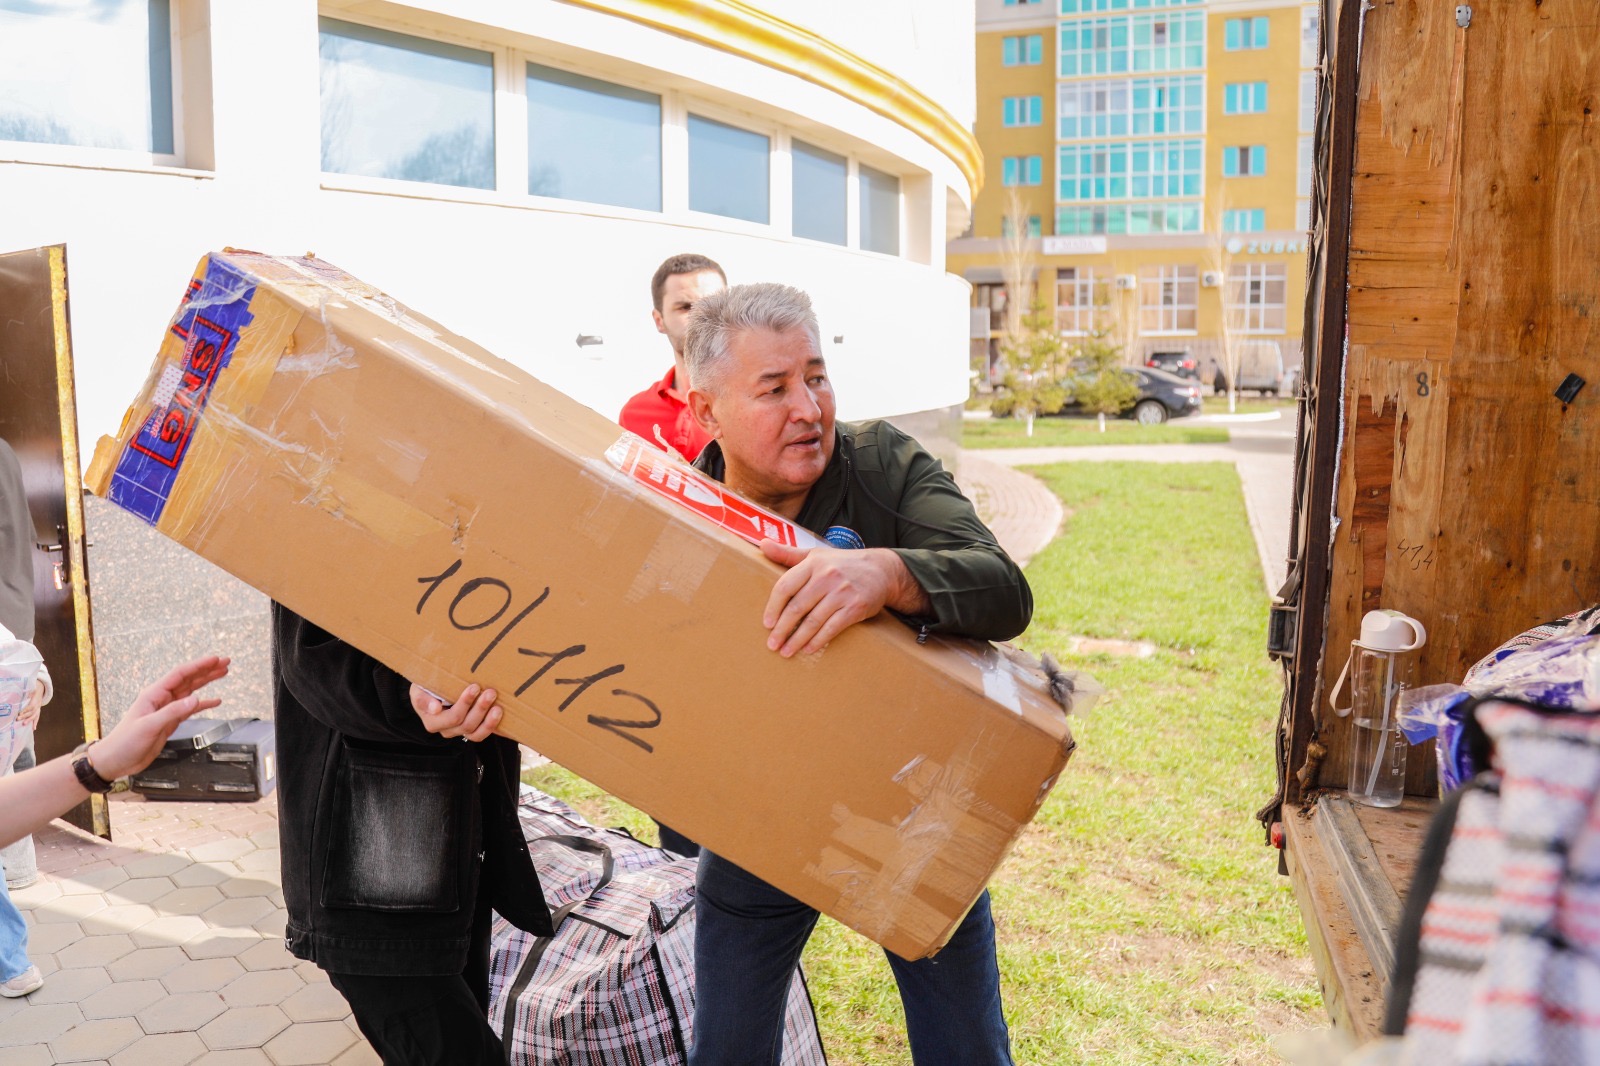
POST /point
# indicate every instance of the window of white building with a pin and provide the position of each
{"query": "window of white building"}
(821, 188)
(1168, 298)
(880, 211)
(1308, 101)
(91, 75)
(1256, 293)
(729, 170)
(397, 106)
(592, 141)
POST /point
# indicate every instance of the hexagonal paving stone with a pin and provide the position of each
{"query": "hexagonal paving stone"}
(99, 1039)
(183, 1012)
(156, 864)
(360, 1055)
(267, 955)
(71, 985)
(248, 886)
(237, 912)
(309, 1044)
(221, 943)
(188, 900)
(209, 975)
(163, 1049)
(250, 1056)
(171, 929)
(41, 891)
(266, 861)
(142, 963)
(122, 1000)
(318, 1002)
(221, 850)
(243, 1027)
(120, 918)
(95, 950)
(203, 874)
(261, 988)
(49, 939)
(68, 908)
(107, 877)
(38, 1025)
(141, 889)
(273, 923)
(32, 1055)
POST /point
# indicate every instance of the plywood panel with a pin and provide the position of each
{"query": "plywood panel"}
(1474, 289)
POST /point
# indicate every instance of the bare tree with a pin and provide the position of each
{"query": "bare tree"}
(1219, 261)
(1018, 263)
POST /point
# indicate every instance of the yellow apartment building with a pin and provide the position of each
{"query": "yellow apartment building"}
(1153, 159)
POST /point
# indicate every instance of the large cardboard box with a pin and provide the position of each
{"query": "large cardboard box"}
(458, 520)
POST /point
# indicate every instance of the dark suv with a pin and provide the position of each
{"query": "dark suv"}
(1179, 363)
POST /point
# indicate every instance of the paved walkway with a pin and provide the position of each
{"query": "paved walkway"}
(166, 947)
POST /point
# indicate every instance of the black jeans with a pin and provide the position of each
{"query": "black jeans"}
(429, 1021)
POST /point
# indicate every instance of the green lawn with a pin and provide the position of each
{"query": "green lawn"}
(1248, 404)
(1056, 432)
(1140, 918)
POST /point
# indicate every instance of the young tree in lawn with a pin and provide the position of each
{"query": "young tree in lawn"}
(1219, 260)
(1100, 383)
(1037, 362)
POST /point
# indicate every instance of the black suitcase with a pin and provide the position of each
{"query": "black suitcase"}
(213, 759)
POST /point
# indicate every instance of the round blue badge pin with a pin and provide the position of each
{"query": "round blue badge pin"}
(843, 537)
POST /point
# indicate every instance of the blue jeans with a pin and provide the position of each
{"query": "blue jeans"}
(747, 943)
(13, 931)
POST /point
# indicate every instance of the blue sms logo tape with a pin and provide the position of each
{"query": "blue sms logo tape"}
(215, 309)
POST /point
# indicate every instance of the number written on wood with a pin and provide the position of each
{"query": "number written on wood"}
(1423, 387)
(474, 604)
(1420, 556)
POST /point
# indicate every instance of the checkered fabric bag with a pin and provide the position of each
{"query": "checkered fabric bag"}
(1507, 965)
(615, 985)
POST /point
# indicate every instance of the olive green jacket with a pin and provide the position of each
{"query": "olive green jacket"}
(885, 487)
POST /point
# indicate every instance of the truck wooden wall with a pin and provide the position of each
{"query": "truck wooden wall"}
(1467, 493)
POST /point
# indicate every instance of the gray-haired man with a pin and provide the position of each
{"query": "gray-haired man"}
(905, 539)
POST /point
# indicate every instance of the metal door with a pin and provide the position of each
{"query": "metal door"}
(38, 418)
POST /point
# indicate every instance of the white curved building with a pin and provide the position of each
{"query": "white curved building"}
(513, 168)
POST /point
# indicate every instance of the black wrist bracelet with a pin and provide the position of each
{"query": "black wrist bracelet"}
(84, 770)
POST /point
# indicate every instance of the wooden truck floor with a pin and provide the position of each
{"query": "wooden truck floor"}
(1351, 866)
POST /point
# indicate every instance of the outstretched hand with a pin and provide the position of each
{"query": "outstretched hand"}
(155, 713)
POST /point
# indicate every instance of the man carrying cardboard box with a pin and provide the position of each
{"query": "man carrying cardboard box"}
(905, 539)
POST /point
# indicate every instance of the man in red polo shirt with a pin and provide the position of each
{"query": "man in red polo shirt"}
(660, 413)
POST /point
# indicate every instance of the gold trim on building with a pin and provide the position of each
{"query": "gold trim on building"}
(743, 30)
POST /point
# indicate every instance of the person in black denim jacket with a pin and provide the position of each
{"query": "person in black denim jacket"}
(397, 843)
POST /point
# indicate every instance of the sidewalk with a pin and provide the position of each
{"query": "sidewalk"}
(166, 948)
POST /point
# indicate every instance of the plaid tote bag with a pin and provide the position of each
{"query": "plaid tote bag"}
(615, 985)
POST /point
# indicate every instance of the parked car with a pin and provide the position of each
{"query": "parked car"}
(1161, 396)
(1179, 363)
(1260, 369)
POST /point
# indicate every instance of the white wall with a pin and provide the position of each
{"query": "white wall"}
(521, 277)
